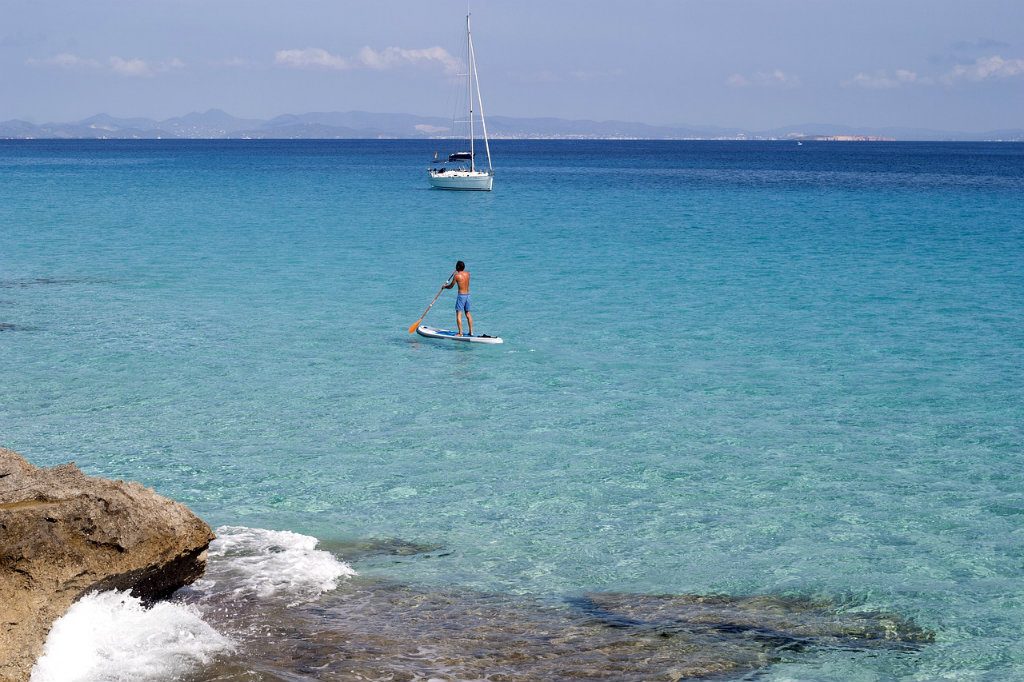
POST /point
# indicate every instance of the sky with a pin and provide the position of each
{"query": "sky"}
(955, 65)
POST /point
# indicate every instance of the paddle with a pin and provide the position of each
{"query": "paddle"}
(415, 324)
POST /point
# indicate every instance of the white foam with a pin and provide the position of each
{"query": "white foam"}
(270, 563)
(111, 637)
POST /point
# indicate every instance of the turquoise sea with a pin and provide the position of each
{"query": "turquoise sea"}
(737, 368)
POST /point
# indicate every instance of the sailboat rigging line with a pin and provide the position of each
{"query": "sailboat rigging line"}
(472, 133)
(479, 98)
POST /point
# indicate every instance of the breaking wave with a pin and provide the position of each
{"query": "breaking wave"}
(111, 636)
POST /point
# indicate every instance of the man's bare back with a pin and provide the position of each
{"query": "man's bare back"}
(462, 304)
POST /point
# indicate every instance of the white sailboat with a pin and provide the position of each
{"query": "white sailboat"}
(462, 176)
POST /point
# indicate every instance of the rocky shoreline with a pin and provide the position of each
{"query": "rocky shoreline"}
(64, 534)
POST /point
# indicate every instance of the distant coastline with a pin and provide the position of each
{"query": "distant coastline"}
(217, 124)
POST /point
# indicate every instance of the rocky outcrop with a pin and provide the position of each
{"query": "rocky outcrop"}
(64, 534)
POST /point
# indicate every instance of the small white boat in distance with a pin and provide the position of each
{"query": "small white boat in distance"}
(463, 176)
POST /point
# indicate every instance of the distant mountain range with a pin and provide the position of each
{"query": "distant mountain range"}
(217, 124)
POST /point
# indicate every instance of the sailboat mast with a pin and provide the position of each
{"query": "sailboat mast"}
(469, 85)
(479, 97)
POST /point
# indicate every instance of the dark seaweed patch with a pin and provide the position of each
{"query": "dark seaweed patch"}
(49, 281)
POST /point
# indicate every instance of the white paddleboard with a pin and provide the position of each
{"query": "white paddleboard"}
(432, 333)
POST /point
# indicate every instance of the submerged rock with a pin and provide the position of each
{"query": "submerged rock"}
(64, 534)
(368, 630)
(780, 622)
(358, 550)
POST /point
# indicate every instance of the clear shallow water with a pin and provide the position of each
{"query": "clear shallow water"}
(746, 368)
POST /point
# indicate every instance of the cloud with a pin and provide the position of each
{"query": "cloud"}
(139, 67)
(981, 69)
(775, 78)
(882, 80)
(118, 65)
(366, 58)
(391, 57)
(130, 67)
(966, 49)
(65, 61)
(986, 68)
(311, 58)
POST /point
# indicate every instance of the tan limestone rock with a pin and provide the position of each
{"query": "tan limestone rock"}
(64, 534)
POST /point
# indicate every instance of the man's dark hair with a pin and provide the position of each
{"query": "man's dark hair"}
(460, 266)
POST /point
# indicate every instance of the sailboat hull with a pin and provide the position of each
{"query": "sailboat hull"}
(461, 180)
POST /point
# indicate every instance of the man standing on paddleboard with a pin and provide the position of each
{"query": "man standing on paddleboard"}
(462, 300)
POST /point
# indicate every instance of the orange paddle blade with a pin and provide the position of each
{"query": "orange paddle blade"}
(415, 324)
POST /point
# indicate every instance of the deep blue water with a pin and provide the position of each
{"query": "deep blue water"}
(735, 367)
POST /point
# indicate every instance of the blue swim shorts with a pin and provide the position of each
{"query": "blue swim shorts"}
(462, 303)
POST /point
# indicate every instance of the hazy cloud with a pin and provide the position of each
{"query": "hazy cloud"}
(981, 69)
(311, 58)
(118, 65)
(588, 76)
(957, 52)
(883, 80)
(65, 61)
(986, 68)
(391, 57)
(233, 62)
(765, 79)
(140, 67)
(366, 58)
(130, 67)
